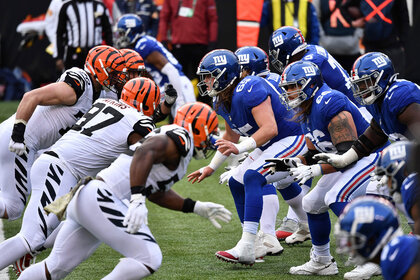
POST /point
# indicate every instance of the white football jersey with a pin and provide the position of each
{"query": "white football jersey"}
(100, 136)
(48, 123)
(117, 175)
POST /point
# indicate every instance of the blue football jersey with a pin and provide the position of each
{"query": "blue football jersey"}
(249, 93)
(333, 74)
(410, 192)
(327, 103)
(399, 255)
(401, 94)
(145, 46)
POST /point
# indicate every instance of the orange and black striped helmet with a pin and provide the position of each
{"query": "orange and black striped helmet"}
(133, 60)
(107, 66)
(199, 119)
(142, 94)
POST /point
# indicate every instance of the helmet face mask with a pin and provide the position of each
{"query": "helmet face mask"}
(217, 70)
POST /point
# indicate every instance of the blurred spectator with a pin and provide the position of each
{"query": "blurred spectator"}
(385, 24)
(82, 24)
(337, 35)
(146, 9)
(191, 27)
(13, 84)
(298, 13)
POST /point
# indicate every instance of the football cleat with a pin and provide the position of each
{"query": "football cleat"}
(287, 228)
(271, 244)
(363, 272)
(23, 263)
(317, 265)
(300, 235)
(243, 252)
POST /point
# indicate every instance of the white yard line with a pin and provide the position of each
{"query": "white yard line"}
(4, 274)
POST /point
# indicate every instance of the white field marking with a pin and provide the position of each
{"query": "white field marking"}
(4, 274)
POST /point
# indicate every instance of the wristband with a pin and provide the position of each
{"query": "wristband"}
(246, 145)
(19, 131)
(137, 189)
(188, 206)
(217, 160)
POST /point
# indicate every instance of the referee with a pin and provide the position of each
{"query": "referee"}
(82, 24)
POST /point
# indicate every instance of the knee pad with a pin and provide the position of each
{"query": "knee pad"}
(312, 207)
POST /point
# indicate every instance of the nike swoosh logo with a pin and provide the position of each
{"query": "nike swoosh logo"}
(249, 90)
(408, 185)
(326, 102)
(394, 255)
(77, 83)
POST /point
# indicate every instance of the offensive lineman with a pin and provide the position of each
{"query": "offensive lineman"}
(44, 115)
(98, 212)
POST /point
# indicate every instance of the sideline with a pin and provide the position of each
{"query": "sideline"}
(4, 275)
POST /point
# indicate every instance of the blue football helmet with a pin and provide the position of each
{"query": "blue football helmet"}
(371, 76)
(217, 70)
(299, 82)
(283, 44)
(129, 30)
(393, 163)
(254, 60)
(366, 225)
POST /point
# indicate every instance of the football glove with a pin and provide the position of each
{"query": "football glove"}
(16, 144)
(137, 213)
(281, 164)
(212, 211)
(303, 173)
(170, 95)
(225, 176)
(338, 161)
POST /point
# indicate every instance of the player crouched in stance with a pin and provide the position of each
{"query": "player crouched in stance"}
(331, 123)
(368, 230)
(100, 211)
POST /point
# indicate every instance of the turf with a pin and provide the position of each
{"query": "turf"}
(188, 242)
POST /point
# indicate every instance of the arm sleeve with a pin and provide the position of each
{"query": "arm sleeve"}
(164, 20)
(213, 24)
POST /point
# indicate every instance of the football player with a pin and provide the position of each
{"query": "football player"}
(392, 170)
(393, 103)
(159, 62)
(92, 144)
(330, 122)
(287, 45)
(100, 211)
(251, 108)
(44, 115)
(368, 230)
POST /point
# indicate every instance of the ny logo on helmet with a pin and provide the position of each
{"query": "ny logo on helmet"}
(243, 58)
(379, 61)
(364, 214)
(309, 70)
(130, 22)
(220, 60)
(278, 40)
(397, 152)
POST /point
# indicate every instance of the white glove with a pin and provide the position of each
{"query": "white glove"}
(303, 173)
(338, 161)
(212, 211)
(281, 164)
(225, 176)
(17, 147)
(137, 213)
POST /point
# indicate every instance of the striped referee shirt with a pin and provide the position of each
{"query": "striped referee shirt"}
(84, 24)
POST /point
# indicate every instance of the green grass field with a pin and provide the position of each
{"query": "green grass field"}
(188, 242)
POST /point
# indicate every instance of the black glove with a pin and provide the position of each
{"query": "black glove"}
(170, 95)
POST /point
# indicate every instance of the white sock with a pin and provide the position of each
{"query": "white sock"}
(296, 204)
(292, 214)
(251, 227)
(128, 269)
(322, 250)
(269, 214)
